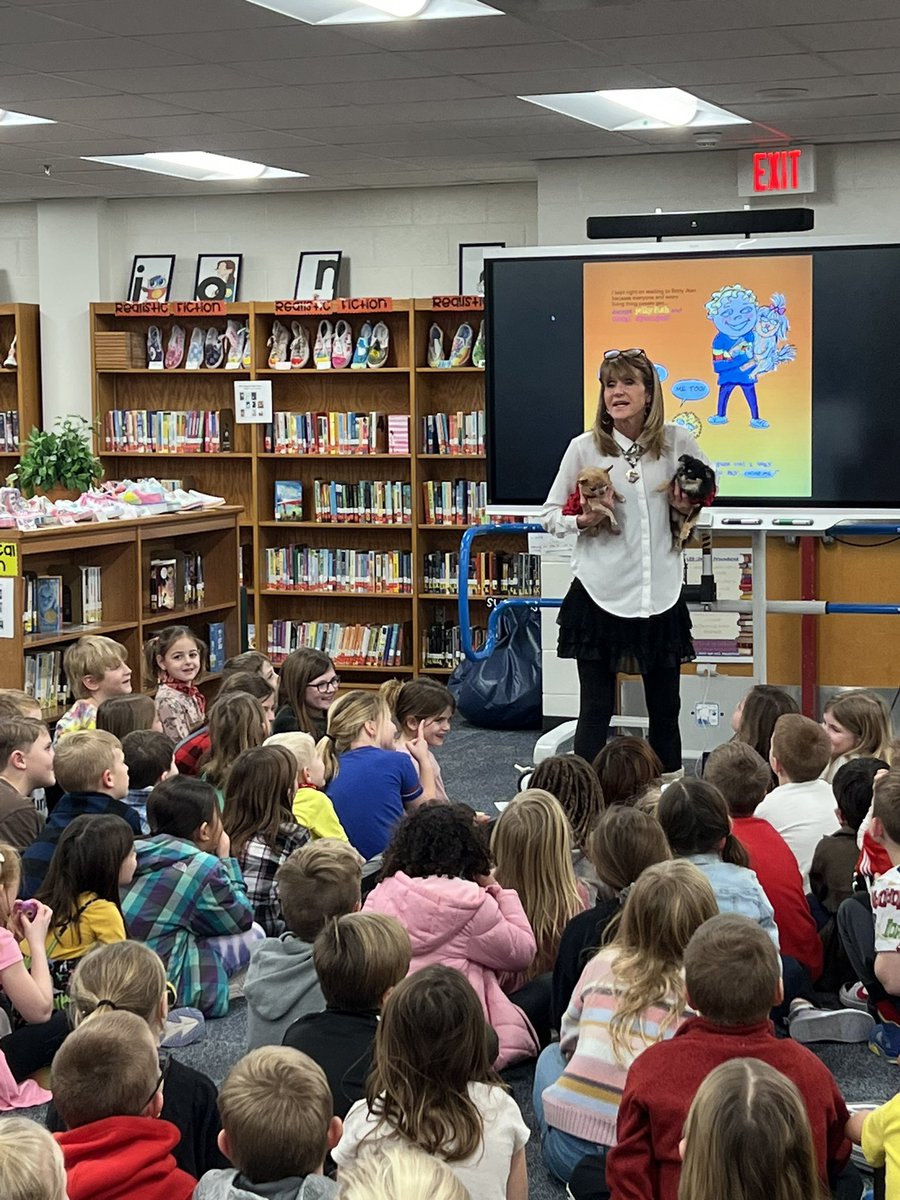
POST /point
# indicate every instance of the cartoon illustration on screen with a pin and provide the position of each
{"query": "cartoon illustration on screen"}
(770, 349)
(734, 311)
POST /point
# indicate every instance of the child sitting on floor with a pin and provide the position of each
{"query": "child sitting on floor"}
(107, 1086)
(575, 785)
(26, 763)
(149, 758)
(421, 708)
(174, 658)
(311, 807)
(318, 882)
(277, 1129)
(432, 1032)
(359, 958)
(95, 668)
(399, 1173)
(31, 1163)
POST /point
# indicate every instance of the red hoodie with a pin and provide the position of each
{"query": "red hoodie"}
(124, 1158)
(645, 1163)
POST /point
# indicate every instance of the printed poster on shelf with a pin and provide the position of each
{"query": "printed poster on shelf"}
(723, 634)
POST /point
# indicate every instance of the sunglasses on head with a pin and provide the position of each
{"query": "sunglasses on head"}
(634, 352)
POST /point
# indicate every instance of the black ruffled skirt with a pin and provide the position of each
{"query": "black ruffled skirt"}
(633, 646)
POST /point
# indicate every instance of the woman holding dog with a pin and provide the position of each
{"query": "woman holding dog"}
(624, 611)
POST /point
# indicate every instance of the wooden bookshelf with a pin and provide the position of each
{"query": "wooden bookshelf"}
(20, 388)
(123, 551)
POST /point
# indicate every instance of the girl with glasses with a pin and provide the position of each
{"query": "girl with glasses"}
(306, 690)
(624, 611)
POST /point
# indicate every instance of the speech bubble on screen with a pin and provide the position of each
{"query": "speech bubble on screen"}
(690, 389)
(662, 372)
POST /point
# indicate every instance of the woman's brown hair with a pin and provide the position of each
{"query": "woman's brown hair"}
(258, 796)
(575, 785)
(653, 435)
(626, 767)
(297, 671)
(430, 1045)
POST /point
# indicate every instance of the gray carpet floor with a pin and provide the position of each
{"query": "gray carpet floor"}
(479, 768)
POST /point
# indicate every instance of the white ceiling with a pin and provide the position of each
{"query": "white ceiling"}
(428, 102)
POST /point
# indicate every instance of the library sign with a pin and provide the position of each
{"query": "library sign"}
(171, 308)
(777, 172)
(347, 304)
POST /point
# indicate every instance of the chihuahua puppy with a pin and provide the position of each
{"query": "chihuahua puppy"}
(698, 481)
(597, 494)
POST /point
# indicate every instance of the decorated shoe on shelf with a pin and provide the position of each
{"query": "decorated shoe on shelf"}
(378, 351)
(278, 344)
(234, 340)
(361, 353)
(195, 351)
(342, 347)
(246, 356)
(214, 348)
(154, 348)
(322, 349)
(462, 345)
(435, 355)
(478, 349)
(175, 348)
(299, 347)
(10, 363)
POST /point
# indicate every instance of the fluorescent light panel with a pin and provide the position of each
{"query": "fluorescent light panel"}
(197, 165)
(8, 117)
(357, 12)
(627, 110)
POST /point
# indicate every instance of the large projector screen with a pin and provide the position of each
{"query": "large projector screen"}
(780, 362)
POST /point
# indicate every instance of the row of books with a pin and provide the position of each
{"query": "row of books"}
(65, 595)
(455, 502)
(9, 432)
(318, 569)
(442, 644)
(493, 573)
(337, 433)
(165, 573)
(370, 502)
(453, 433)
(44, 679)
(346, 645)
(149, 431)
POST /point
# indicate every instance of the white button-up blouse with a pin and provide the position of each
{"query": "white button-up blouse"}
(637, 573)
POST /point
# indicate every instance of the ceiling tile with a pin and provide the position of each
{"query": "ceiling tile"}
(846, 35)
(863, 62)
(337, 68)
(131, 18)
(294, 40)
(240, 99)
(100, 108)
(153, 127)
(529, 57)
(20, 26)
(22, 89)
(407, 36)
(80, 60)
(155, 80)
(391, 91)
(777, 66)
(518, 83)
(717, 45)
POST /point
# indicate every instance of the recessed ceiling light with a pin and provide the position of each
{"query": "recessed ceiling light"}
(627, 110)
(196, 165)
(7, 117)
(355, 12)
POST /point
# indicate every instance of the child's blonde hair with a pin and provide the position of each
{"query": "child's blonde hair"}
(301, 745)
(319, 881)
(237, 723)
(31, 1162)
(10, 876)
(276, 1108)
(107, 1067)
(82, 757)
(91, 655)
(532, 847)
(398, 1172)
(16, 703)
(126, 976)
(358, 957)
(865, 714)
(346, 719)
(666, 904)
(161, 643)
(748, 1137)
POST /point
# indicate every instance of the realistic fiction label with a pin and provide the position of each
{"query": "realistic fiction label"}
(171, 308)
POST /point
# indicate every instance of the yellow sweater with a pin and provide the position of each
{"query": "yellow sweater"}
(101, 922)
(314, 810)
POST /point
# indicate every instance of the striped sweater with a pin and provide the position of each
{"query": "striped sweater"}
(584, 1101)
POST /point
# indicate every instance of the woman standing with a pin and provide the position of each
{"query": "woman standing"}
(624, 610)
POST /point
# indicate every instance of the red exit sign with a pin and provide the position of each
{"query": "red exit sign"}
(777, 172)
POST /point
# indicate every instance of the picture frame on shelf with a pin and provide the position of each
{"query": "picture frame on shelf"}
(317, 275)
(471, 266)
(151, 278)
(218, 277)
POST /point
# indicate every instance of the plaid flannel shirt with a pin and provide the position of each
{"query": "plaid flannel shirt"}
(179, 897)
(259, 864)
(189, 752)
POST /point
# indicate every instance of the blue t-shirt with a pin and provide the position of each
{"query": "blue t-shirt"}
(370, 793)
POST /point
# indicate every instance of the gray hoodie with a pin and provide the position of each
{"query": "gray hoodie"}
(281, 986)
(231, 1185)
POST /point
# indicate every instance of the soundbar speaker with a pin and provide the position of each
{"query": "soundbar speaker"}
(702, 224)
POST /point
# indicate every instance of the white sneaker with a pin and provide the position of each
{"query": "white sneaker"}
(278, 347)
(435, 356)
(342, 347)
(299, 347)
(854, 995)
(10, 363)
(808, 1024)
(324, 342)
(195, 350)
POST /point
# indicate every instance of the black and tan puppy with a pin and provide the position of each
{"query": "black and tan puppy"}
(698, 482)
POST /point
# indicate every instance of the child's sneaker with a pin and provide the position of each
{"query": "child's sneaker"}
(299, 347)
(11, 363)
(183, 1027)
(278, 347)
(322, 349)
(885, 1041)
(154, 348)
(462, 345)
(361, 353)
(246, 356)
(854, 995)
(478, 349)
(195, 351)
(342, 347)
(435, 356)
(378, 351)
(235, 342)
(214, 348)
(175, 348)
(808, 1024)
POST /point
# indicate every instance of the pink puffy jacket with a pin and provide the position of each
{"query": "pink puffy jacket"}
(479, 931)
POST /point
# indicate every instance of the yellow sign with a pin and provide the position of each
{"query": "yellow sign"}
(9, 559)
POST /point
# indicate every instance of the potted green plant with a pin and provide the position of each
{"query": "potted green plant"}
(58, 463)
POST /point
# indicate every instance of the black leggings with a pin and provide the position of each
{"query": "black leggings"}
(662, 692)
(31, 1047)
